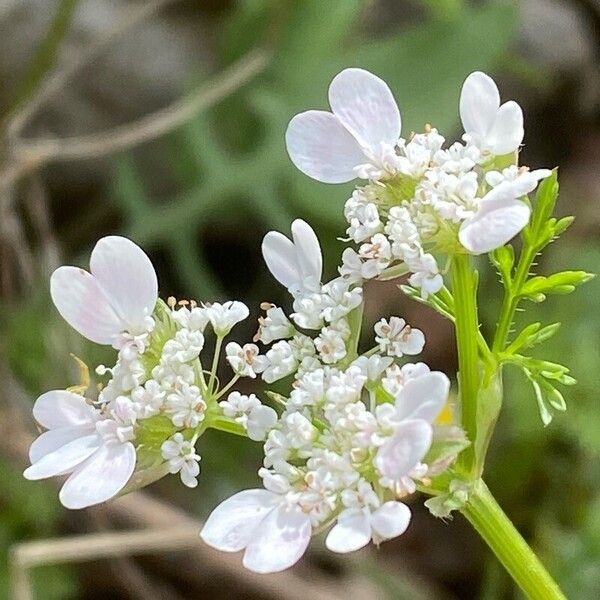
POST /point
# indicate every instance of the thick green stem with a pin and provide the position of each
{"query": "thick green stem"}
(508, 545)
(467, 332)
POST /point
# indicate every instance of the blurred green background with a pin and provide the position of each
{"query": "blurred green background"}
(198, 197)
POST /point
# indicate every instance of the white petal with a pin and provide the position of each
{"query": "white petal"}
(352, 532)
(322, 148)
(404, 449)
(308, 250)
(232, 525)
(83, 304)
(280, 255)
(52, 440)
(499, 218)
(479, 103)
(100, 477)
(527, 181)
(506, 133)
(280, 541)
(65, 458)
(366, 107)
(390, 520)
(423, 397)
(127, 276)
(60, 408)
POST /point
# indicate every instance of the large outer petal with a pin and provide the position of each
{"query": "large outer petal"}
(127, 277)
(308, 250)
(400, 453)
(351, 532)
(100, 477)
(60, 408)
(506, 133)
(479, 102)
(499, 218)
(280, 256)
(52, 440)
(322, 148)
(65, 458)
(390, 520)
(280, 541)
(82, 303)
(423, 397)
(366, 107)
(234, 523)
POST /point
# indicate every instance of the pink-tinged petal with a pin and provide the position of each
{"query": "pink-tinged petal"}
(527, 181)
(233, 524)
(423, 397)
(479, 103)
(352, 532)
(506, 133)
(390, 520)
(52, 440)
(60, 408)
(280, 256)
(308, 250)
(279, 542)
(127, 277)
(83, 304)
(500, 217)
(400, 453)
(366, 107)
(64, 459)
(322, 148)
(100, 477)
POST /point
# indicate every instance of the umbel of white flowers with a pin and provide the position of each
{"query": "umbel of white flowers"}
(422, 198)
(355, 431)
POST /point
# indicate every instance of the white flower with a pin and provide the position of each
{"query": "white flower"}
(248, 411)
(360, 132)
(501, 213)
(224, 316)
(182, 458)
(296, 264)
(377, 254)
(273, 532)
(494, 128)
(274, 326)
(84, 446)
(362, 215)
(372, 367)
(339, 300)
(299, 430)
(357, 526)
(396, 338)
(282, 362)
(194, 319)
(396, 376)
(184, 347)
(331, 345)
(116, 298)
(245, 360)
(418, 403)
(148, 399)
(186, 406)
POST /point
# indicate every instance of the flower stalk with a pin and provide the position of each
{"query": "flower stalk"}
(496, 529)
(464, 284)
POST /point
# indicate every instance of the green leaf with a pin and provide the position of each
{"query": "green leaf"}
(532, 335)
(564, 282)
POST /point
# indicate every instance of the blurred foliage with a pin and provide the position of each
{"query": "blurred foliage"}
(232, 180)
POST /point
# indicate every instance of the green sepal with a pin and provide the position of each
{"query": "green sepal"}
(504, 260)
(443, 505)
(448, 442)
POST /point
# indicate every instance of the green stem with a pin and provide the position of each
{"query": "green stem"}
(511, 299)
(508, 545)
(467, 332)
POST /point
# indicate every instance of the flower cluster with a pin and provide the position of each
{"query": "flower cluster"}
(355, 431)
(158, 398)
(422, 198)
